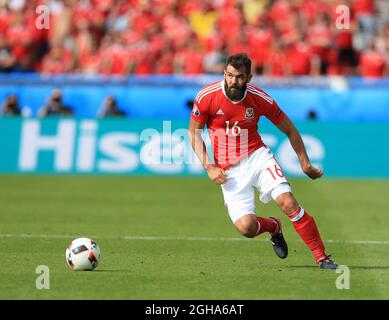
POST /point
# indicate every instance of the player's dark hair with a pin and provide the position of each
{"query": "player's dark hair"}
(239, 60)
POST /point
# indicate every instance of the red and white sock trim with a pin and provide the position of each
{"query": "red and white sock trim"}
(278, 228)
(297, 215)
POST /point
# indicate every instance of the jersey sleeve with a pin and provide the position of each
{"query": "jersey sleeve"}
(274, 112)
(200, 111)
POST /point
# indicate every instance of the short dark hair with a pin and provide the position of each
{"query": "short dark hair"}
(239, 60)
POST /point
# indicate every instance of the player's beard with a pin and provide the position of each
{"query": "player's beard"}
(235, 93)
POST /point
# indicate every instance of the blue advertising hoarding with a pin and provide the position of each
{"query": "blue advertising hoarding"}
(137, 147)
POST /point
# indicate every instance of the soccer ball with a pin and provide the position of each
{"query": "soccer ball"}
(82, 254)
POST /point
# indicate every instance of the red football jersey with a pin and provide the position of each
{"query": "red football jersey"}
(233, 125)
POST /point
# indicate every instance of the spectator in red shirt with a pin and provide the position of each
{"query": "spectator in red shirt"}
(189, 59)
(229, 23)
(116, 58)
(144, 65)
(276, 65)
(301, 60)
(165, 65)
(58, 60)
(90, 62)
(373, 63)
(347, 56)
(260, 37)
(83, 38)
(320, 39)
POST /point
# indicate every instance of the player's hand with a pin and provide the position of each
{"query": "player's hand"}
(216, 174)
(312, 171)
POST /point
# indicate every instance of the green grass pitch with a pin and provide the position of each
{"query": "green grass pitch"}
(170, 238)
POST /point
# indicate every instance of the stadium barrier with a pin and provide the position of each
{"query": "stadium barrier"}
(168, 97)
(142, 147)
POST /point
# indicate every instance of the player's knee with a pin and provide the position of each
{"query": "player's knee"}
(287, 203)
(248, 233)
(247, 226)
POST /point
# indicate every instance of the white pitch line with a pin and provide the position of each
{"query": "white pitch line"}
(358, 241)
(158, 238)
(185, 238)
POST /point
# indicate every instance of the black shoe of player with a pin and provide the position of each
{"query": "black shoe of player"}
(279, 244)
(327, 263)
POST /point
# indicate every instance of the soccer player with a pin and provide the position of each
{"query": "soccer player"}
(231, 110)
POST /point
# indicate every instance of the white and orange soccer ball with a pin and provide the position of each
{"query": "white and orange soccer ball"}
(82, 254)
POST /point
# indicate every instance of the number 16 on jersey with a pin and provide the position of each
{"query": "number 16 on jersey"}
(235, 129)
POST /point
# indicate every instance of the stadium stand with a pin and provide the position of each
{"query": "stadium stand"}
(122, 37)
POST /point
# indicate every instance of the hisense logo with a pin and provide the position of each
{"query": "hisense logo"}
(78, 146)
(66, 147)
(90, 146)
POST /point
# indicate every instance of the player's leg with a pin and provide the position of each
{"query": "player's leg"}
(306, 227)
(239, 199)
(251, 226)
(270, 182)
(240, 204)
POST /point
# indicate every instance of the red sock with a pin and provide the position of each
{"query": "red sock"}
(306, 227)
(266, 225)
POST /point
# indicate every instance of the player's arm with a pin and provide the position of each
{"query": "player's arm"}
(287, 127)
(215, 174)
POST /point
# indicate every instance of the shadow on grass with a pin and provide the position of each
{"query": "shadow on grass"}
(350, 267)
(370, 267)
(303, 267)
(109, 270)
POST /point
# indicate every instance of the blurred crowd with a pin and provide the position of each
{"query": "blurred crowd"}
(121, 37)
